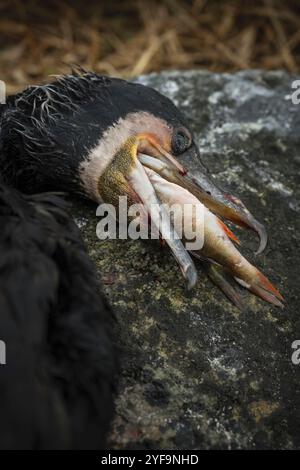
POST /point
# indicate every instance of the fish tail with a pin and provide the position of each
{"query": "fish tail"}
(260, 285)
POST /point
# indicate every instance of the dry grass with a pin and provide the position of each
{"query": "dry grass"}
(126, 38)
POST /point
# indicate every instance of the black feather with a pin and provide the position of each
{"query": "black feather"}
(57, 386)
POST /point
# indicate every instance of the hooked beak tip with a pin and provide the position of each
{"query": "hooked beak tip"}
(263, 237)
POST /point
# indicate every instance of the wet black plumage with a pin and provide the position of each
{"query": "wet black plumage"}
(48, 130)
(56, 388)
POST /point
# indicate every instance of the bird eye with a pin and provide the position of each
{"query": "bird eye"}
(181, 141)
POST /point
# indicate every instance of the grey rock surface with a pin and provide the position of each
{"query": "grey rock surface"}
(196, 372)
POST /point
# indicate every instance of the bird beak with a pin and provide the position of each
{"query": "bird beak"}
(221, 203)
(129, 176)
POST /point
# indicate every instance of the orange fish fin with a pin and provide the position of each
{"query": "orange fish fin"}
(263, 282)
(228, 232)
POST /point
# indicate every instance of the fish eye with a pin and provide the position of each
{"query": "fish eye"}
(181, 141)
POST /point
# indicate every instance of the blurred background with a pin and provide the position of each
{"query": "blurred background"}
(128, 38)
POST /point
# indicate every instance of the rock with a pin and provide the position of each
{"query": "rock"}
(197, 373)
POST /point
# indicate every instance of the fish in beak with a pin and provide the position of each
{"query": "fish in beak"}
(223, 204)
(151, 175)
(217, 246)
(220, 202)
(105, 138)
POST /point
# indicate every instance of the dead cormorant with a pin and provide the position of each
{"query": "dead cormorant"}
(101, 138)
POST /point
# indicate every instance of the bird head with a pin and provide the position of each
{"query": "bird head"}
(143, 128)
(97, 136)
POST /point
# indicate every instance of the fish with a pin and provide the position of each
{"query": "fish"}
(219, 243)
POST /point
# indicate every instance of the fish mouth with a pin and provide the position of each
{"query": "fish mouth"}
(222, 204)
